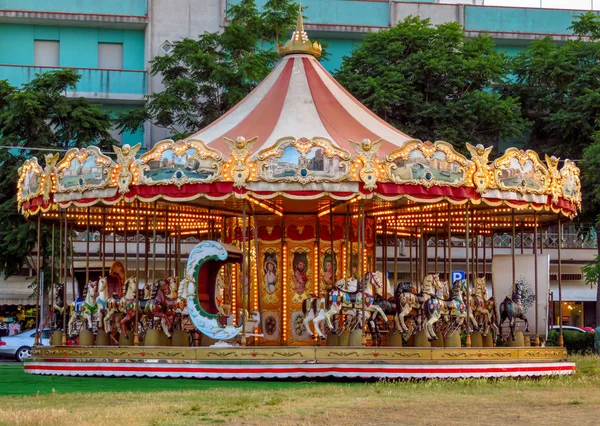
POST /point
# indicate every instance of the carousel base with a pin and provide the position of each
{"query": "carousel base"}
(256, 362)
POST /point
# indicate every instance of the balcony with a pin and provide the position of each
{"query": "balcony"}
(89, 7)
(131, 14)
(119, 86)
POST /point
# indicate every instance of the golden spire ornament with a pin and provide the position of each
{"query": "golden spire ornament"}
(299, 43)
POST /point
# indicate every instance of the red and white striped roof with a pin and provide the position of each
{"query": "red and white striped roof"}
(299, 98)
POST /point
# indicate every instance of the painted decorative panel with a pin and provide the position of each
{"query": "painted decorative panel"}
(427, 164)
(571, 184)
(178, 163)
(84, 169)
(521, 171)
(30, 180)
(303, 161)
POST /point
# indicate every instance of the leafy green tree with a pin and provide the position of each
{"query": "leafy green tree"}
(433, 83)
(559, 90)
(205, 78)
(39, 116)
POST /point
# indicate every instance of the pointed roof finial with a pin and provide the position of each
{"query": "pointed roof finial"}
(299, 43)
(299, 21)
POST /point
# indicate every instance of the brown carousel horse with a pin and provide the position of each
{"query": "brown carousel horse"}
(160, 307)
(127, 305)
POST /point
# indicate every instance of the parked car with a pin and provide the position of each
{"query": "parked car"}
(569, 328)
(588, 329)
(19, 346)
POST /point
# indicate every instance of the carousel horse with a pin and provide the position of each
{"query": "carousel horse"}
(479, 309)
(157, 306)
(348, 295)
(126, 305)
(492, 325)
(388, 306)
(455, 308)
(512, 308)
(102, 300)
(87, 308)
(59, 304)
(406, 300)
(314, 309)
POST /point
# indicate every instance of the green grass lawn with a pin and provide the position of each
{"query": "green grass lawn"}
(49, 400)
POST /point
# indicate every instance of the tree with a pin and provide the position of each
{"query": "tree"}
(39, 115)
(559, 90)
(205, 78)
(433, 83)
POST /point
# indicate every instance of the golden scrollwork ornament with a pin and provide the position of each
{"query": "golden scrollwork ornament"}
(366, 153)
(49, 170)
(125, 158)
(555, 181)
(480, 155)
(240, 168)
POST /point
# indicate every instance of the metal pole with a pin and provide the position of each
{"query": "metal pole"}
(361, 257)
(560, 322)
(136, 337)
(331, 231)
(468, 301)
(39, 278)
(256, 262)
(65, 304)
(410, 257)
(535, 269)
(514, 236)
(126, 253)
(244, 269)
(449, 247)
(435, 237)
(147, 254)
(103, 237)
(87, 248)
(154, 247)
(522, 240)
(51, 301)
(384, 258)
(167, 243)
(348, 250)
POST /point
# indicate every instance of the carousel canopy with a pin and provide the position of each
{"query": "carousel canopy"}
(300, 143)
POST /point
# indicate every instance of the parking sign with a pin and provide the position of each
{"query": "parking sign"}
(458, 275)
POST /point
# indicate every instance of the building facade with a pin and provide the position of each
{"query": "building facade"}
(110, 44)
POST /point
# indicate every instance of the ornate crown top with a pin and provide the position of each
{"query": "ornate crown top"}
(299, 43)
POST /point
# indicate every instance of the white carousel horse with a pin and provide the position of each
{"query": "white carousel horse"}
(86, 309)
(102, 300)
(314, 309)
(406, 300)
(349, 296)
(455, 308)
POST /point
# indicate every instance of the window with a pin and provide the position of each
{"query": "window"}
(46, 53)
(167, 46)
(110, 56)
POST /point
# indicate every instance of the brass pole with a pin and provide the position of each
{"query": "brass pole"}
(65, 304)
(360, 243)
(73, 263)
(103, 237)
(51, 301)
(348, 249)
(126, 248)
(410, 256)
(449, 246)
(468, 301)
(384, 258)
(332, 252)
(535, 269)
(154, 246)
(136, 337)
(522, 240)
(244, 270)
(560, 322)
(87, 247)
(147, 251)
(167, 243)
(39, 278)
(514, 236)
(435, 237)
(396, 254)
(257, 265)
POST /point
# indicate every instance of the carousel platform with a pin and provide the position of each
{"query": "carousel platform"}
(256, 362)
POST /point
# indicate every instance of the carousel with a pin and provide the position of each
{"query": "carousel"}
(298, 236)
